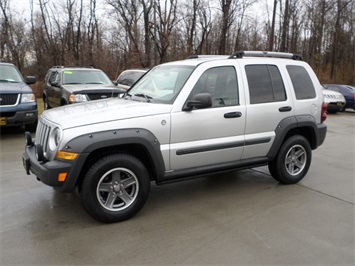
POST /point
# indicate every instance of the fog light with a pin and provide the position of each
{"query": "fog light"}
(62, 177)
(28, 138)
(39, 152)
(29, 114)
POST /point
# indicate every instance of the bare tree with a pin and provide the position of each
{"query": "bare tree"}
(167, 18)
(227, 14)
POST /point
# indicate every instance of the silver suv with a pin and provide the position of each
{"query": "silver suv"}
(183, 119)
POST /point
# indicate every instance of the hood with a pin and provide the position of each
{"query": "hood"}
(99, 111)
(90, 88)
(11, 87)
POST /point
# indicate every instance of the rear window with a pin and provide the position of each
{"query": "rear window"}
(302, 83)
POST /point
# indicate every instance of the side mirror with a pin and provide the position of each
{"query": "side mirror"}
(201, 100)
(30, 80)
(54, 83)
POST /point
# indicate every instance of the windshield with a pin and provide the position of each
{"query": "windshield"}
(161, 85)
(85, 77)
(8, 73)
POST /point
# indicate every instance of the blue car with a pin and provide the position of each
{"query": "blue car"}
(348, 92)
(18, 106)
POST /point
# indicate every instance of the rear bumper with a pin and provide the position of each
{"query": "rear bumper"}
(322, 132)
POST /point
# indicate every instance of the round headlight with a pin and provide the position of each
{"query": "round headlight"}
(54, 138)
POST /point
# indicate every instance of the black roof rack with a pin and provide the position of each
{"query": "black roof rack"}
(241, 54)
(207, 56)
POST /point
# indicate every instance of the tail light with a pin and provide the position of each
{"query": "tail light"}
(323, 113)
(354, 96)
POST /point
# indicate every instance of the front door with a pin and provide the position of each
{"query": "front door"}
(213, 135)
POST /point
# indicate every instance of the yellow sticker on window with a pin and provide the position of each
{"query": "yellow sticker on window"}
(68, 72)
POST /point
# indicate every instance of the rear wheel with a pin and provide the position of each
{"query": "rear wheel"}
(292, 161)
(115, 188)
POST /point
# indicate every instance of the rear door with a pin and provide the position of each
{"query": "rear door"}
(268, 103)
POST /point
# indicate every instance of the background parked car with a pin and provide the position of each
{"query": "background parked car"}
(347, 91)
(128, 77)
(335, 101)
(67, 85)
(18, 104)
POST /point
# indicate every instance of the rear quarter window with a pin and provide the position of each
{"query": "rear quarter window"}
(302, 82)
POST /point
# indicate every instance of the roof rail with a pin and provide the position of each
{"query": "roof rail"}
(241, 54)
(206, 56)
(72, 67)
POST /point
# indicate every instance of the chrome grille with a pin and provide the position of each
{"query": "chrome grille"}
(42, 135)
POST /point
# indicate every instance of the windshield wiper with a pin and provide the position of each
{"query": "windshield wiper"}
(126, 94)
(7, 80)
(147, 97)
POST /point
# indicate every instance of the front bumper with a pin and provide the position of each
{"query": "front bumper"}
(8, 119)
(48, 172)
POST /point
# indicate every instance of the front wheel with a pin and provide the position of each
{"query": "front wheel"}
(31, 127)
(292, 161)
(45, 104)
(115, 188)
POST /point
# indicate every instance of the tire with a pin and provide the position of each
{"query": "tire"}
(45, 104)
(115, 188)
(31, 127)
(292, 161)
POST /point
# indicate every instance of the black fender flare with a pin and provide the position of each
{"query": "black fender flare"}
(88, 143)
(290, 123)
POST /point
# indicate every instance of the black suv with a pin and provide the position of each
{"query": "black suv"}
(67, 85)
(18, 104)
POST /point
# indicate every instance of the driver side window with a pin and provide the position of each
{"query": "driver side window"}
(221, 83)
(54, 77)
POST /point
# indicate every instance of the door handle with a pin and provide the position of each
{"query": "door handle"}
(232, 115)
(285, 109)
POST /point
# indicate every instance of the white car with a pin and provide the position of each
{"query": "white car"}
(335, 101)
(128, 77)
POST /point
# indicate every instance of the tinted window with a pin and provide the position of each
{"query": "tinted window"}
(221, 83)
(54, 77)
(302, 83)
(265, 84)
(129, 78)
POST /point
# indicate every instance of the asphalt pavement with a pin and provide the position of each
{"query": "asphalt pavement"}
(240, 218)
